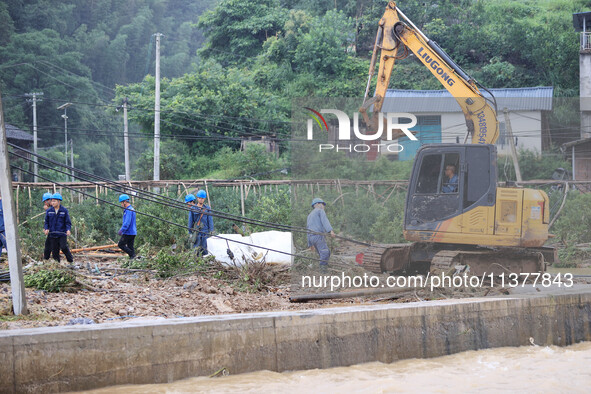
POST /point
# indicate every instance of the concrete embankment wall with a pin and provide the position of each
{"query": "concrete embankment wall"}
(85, 357)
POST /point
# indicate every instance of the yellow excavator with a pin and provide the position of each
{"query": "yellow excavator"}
(455, 214)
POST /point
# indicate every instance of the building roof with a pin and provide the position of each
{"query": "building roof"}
(14, 133)
(582, 21)
(439, 101)
(577, 142)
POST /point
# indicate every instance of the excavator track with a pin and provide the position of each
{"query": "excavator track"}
(423, 257)
(371, 258)
(489, 262)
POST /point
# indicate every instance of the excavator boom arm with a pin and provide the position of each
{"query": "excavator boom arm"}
(396, 33)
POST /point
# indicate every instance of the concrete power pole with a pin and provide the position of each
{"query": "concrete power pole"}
(582, 23)
(65, 118)
(509, 131)
(157, 114)
(72, 157)
(17, 284)
(34, 100)
(126, 141)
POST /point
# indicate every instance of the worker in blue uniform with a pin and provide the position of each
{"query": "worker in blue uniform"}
(57, 228)
(451, 184)
(46, 205)
(318, 225)
(200, 221)
(128, 229)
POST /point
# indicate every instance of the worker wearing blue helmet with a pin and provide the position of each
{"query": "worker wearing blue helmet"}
(46, 205)
(200, 221)
(57, 228)
(318, 225)
(47, 200)
(128, 229)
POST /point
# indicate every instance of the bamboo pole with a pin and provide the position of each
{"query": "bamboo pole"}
(34, 217)
(94, 248)
(17, 195)
(509, 132)
(207, 192)
(340, 189)
(348, 294)
(242, 197)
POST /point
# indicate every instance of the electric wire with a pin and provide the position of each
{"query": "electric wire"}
(179, 205)
(168, 221)
(116, 133)
(156, 198)
(115, 106)
(185, 116)
(534, 134)
(67, 72)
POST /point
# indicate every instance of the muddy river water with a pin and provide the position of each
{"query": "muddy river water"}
(526, 369)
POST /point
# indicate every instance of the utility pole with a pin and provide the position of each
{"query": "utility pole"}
(72, 157)
(509, 132)
(65, 117)
(17, 284)
(126, 141)
(34, 100)
(157, 114)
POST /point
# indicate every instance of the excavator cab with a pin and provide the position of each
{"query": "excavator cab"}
(448, 180)
(458, 216)
(453, 198)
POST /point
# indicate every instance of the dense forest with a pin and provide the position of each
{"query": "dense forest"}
(232, 68)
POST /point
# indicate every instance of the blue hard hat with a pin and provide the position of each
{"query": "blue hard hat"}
(316, 201)
(57, 196)
(189, 198)
(47, 196)
(123, 197)
(201, 194)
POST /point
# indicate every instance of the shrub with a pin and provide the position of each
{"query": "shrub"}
(49, 280)
(570, 257)
(170, 264)
(155, 227)
(389, 224)
(272, 207)
(573, 225)
(532, 165)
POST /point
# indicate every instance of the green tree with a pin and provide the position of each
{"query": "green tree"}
(323, 49)
(236, 29)
(211, 108)
(6, 25)
(174, 159)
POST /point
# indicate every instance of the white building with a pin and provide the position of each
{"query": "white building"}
(440, 119)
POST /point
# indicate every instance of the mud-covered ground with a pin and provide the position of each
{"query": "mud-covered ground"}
(126, 297)
(106, 293)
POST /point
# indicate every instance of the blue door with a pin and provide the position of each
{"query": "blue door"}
(428, 130)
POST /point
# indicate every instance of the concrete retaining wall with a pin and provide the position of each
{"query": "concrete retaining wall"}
(85, 357)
